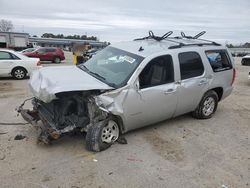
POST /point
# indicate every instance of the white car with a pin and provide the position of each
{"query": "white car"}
(245, 60)
(16, 65)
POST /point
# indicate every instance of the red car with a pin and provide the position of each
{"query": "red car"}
(55, 55)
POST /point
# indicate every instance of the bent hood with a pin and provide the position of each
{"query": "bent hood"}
(46, 82)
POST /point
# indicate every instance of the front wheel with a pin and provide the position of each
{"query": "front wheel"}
(102, 135)
(19, 73)
(207, 106)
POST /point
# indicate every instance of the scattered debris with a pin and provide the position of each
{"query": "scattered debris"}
(46, 178)
(122, 140)
(19, 137)
(110, 173)
(160, 178)
(136, 160)
(2, 156)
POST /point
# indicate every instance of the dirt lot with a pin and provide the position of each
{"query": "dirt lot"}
(181, 152)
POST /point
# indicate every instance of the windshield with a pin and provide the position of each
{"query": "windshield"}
(112, 66)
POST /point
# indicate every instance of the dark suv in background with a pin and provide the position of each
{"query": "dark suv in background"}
(55, 55)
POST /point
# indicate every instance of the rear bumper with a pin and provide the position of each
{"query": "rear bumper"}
(227, 92)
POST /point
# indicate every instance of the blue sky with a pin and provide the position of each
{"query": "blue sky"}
(119, 20)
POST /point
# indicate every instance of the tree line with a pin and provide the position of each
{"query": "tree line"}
(61, 36)
(246, 45)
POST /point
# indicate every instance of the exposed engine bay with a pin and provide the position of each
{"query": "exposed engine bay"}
(68, 112)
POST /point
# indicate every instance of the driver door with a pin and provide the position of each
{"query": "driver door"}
(155, 99)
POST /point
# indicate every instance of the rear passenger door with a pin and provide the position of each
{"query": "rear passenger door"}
(50, 53)
(192, 82)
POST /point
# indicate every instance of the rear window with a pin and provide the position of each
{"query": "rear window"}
(219, 60)
(190, 65)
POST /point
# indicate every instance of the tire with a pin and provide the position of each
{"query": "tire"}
(95, 138)
(207, 106)
(57, 60)
(19, 73)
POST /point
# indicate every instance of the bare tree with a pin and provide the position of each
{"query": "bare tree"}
(6, 25)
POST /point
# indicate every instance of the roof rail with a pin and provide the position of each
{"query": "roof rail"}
(195, 44)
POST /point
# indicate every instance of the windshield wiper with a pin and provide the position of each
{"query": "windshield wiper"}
(83, 67)
(96, 74)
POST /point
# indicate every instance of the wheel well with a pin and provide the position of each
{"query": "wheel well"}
(120, 122)
(219, 91)
(18, 67)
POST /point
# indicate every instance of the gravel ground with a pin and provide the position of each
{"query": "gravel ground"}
(182, 152)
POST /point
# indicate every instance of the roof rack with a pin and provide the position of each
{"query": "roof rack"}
(196, 37)
(183, 36)
(157, 38)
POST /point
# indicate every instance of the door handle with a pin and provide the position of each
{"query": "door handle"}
(203, 82)
(169, 91)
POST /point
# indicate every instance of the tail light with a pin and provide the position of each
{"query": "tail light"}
(234, 75)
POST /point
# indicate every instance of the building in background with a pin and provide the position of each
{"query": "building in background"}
(65, 44)
(14, 40)
(20, 41)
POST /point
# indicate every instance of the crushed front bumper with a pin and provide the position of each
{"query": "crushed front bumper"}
(48, 131)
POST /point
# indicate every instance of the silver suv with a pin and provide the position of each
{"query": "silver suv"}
(129, 85)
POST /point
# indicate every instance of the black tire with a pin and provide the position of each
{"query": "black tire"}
(19, 73)
(94, 137)
(199, 112)
(57, 60)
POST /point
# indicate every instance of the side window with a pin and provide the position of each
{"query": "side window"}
(50, 50)
(218, 60)
(41, 50)
(14, 56)
(190, 65)
(157, 72)
(5, 55)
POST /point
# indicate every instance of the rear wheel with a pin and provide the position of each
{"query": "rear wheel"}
(102, 135)
(57, 60)
(19, 73)
(207, 106)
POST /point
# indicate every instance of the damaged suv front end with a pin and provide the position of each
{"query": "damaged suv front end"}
(78, 98)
